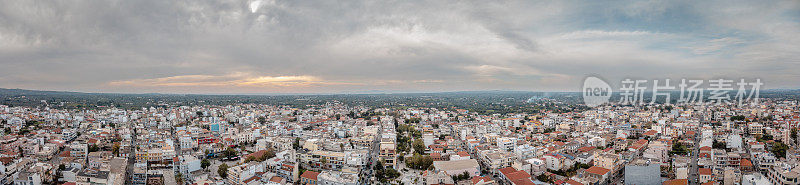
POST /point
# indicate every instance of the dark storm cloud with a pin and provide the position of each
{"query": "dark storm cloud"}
(405, 46)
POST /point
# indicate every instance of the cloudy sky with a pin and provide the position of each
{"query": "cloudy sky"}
(274, 46)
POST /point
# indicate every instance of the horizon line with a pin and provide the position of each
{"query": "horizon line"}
(311, 94)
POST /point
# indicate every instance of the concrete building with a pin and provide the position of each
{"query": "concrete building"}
(459, 167)
(643, 174)
(337, 178)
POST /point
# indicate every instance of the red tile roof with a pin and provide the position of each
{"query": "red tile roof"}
(6, 160)
(276, 179)
(64, 154)
(597, 170)
(746, 163)
(256, 154)
(573, 182)
(705, 171)
(586, 149)
(523, 182)
(676, 182)
(310, 175)
(507, 170)
(518, 175)
(251, 179)
(477, 179)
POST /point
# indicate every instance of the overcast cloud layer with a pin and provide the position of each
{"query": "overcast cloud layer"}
(272, 46)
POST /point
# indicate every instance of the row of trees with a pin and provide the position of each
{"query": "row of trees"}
(460, 177)
(230, 152)
(678, 148)
(383, 174)
(419, 162)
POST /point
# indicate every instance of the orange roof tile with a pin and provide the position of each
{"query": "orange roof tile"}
(573, 182)
(477, 179)
(518, 175)
(705, 171)
(597, 170)
(676, 182)
(746, 163)
(310, 175)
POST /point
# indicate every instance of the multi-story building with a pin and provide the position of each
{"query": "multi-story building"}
(139, 176)
(309, 178)
(387, 153)
(755, 129)
(78, 150)
(238, 174)
(327, 159)
(507, 143)
(493, 160)
(779, 175)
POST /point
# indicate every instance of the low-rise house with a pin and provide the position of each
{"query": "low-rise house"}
(597, 175)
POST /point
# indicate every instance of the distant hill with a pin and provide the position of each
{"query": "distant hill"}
(4, 91)
(477, 101)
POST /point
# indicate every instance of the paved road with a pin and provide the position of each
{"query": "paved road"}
(373, 156)
(693, 167)
(131, 157)
(178, 152)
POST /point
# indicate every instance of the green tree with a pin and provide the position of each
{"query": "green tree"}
(379, 166)
(115, 149)
(419, 162)
(296, 144)
(543, 178)
(678, 148)
(460, 177)
(93, 148)
(779, 149)
(764, 138)
(419, 146)
(223, 170)
(718, 145)
(179, 178)
(205, 163)
(391, 173)
(324, 162)
(230, 152)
